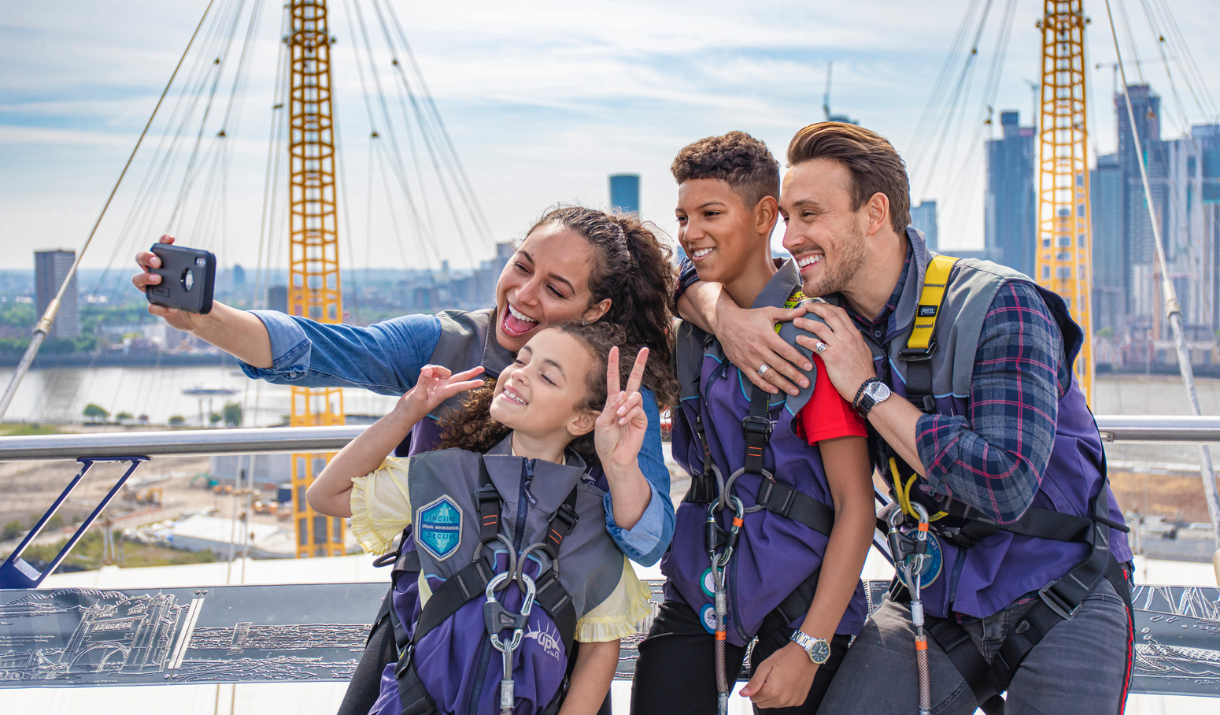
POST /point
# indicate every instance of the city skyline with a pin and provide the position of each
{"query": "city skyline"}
(542, 106)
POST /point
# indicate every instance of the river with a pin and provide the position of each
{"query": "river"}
(58, 395)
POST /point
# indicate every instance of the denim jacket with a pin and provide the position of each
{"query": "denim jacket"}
(386, 357)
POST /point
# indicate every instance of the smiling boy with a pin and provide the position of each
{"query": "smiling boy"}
(787, 480)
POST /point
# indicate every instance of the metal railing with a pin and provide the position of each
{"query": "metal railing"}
(1114, 428)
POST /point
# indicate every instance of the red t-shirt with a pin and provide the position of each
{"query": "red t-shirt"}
(826, 415)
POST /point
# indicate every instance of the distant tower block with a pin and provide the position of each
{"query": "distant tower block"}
(50, 269)
(625, 193)
(923, 217)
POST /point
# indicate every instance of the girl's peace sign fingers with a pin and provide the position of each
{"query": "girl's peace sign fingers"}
(612, 381)
(637, 371)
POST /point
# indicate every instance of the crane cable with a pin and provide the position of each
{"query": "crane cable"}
(461, 170)
(48, 317)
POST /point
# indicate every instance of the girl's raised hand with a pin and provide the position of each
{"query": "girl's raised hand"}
(620, 428)
(436, 384)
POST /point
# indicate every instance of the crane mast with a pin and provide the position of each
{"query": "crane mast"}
(314, 289)
(1065, 239)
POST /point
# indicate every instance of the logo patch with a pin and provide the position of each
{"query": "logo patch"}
(707, 584)
(438, 528)
(927, 311)
(707, 614)
(548, 640)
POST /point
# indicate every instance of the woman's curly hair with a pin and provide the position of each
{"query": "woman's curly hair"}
(633, 267)
(472, 428)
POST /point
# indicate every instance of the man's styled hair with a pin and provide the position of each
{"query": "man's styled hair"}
(874, 164)
(736, 158)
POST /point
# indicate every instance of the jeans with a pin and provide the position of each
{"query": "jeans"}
(1079, 667)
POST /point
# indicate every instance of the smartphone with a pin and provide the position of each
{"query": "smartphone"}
(188, 277)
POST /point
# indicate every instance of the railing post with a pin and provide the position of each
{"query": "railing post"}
(16, 572)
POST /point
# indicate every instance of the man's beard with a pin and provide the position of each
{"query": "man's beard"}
(836, 277)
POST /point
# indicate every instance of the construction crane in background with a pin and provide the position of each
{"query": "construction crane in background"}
(314, 290)
(826, 101)
(1063, 254)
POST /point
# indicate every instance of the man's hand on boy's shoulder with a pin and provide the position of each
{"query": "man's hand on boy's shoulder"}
(750, 341)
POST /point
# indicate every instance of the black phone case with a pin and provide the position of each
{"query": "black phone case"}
(188, 277)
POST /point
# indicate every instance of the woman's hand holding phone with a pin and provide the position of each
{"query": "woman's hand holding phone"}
(147, 260)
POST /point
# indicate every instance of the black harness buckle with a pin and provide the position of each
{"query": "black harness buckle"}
(1053, 601)
(918, 354)
(758, 425)
(404, 659)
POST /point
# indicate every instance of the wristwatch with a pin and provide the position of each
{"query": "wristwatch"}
(817, 648)
(872, 392)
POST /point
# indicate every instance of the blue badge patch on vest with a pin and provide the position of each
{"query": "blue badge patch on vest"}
(438, 528)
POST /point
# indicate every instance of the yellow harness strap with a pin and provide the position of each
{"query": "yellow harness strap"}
(935, 281)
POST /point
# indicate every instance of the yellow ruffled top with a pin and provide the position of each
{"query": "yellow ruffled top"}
(381, 509)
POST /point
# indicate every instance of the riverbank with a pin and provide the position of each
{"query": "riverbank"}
(149, 359)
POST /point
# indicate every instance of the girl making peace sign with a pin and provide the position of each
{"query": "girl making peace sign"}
(502, 503)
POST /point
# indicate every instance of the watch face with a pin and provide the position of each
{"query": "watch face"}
(819, 652)
(877, 391)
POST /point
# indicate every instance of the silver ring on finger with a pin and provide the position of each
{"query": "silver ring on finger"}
(762, 370)
(820, 347)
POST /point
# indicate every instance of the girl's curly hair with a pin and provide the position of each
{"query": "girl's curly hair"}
(472, 428)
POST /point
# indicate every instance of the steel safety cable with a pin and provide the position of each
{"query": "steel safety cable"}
(440, 179)
(986, 106)
(220, 65)
(1139, 68)
(1172, 309)
(461, 170)
(948, 114)
(935, 98)
(426, 240)
(400, 169)
(347, 222)
(390, 206)
(48, 316)
(1190, 68)
(1168, 47)
(419, 171)
(428, 143)
(140, 209)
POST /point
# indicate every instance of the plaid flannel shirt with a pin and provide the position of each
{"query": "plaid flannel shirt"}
(993, 458)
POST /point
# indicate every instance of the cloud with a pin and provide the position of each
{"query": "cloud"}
(542, 100)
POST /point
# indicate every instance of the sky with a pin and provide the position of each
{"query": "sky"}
(542, 101)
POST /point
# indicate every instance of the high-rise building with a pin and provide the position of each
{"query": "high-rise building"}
(239, 276)
(50, 270)
(1109, 252)
(1138, 238)
(277, 298)
(1192, 220)
(923, 217)
(1011, 207)
(625, 193)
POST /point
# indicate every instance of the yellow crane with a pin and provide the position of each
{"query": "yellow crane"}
(314, 290)
(1065, 238)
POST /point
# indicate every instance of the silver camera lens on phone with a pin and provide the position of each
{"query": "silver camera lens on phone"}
(188, 279)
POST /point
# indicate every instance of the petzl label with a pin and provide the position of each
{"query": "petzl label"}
(438, 528)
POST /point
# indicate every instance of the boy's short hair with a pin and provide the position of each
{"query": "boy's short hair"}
(738, 159)
(873, 162)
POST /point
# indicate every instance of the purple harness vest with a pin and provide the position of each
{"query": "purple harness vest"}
(774, 554)
(992, 573)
